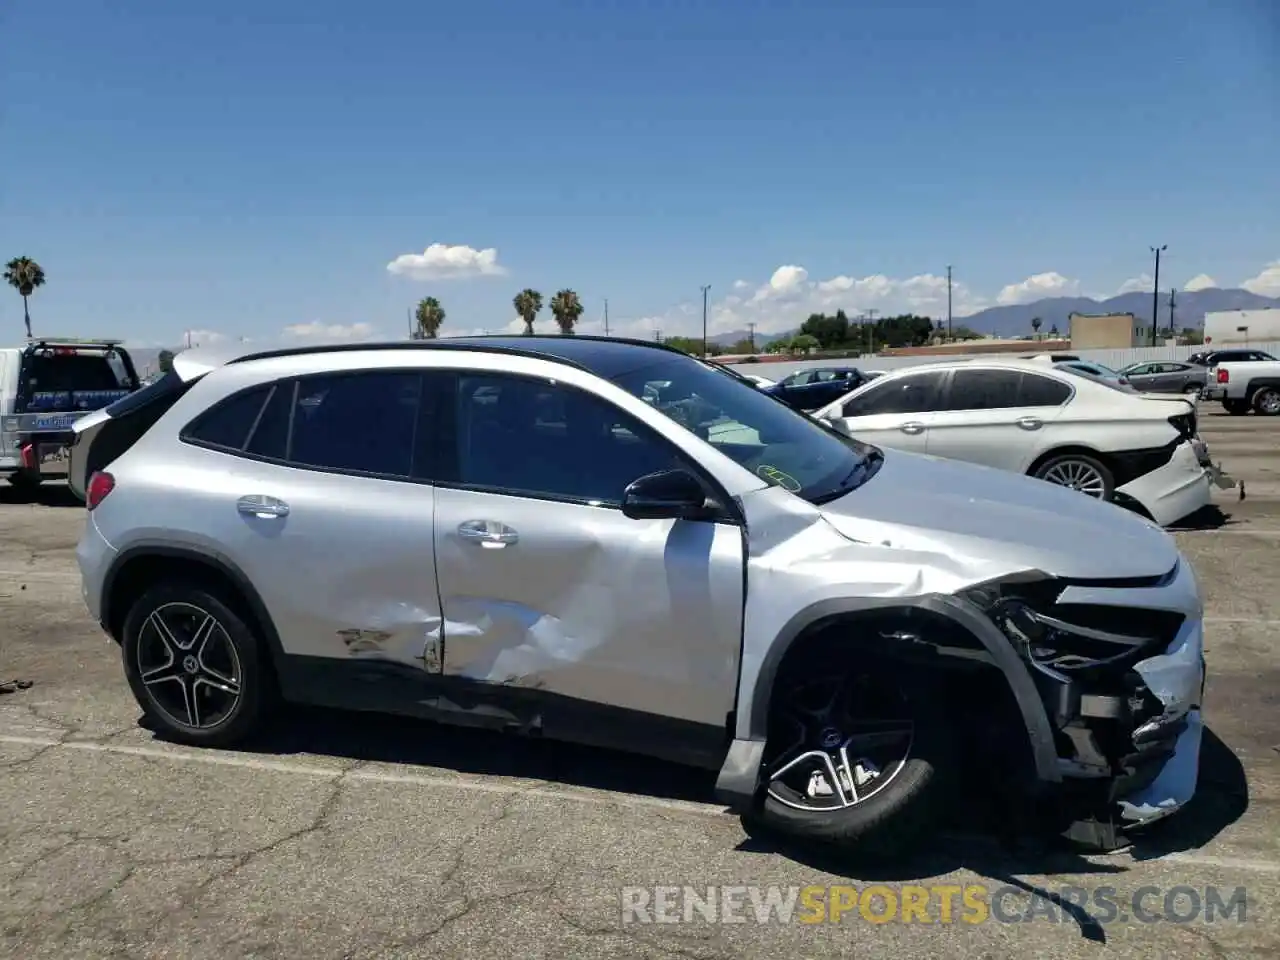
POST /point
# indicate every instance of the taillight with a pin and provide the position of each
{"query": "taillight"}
(1185, 424)
(1224, 376)
(100, 484)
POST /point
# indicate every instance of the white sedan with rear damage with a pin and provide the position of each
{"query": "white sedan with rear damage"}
(1140, 451)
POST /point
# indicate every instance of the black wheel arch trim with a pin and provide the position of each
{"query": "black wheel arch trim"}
(208, 558)
(738, 784)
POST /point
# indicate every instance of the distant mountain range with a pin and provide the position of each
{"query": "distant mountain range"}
(1015, 321)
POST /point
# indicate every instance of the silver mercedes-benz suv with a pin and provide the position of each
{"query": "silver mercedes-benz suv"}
(612, 542)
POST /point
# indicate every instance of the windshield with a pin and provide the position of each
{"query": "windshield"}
(764, 435)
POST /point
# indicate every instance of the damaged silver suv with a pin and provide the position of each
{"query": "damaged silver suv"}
(611, 542)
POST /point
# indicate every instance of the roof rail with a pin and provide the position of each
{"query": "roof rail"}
(441, 344)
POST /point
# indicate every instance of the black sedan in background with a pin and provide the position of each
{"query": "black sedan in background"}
(814, 388)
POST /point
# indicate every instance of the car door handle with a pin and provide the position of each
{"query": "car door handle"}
(1030, 423)
(487, 533)
(912, 428)
(257, 505)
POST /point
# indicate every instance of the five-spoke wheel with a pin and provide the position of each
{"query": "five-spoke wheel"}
(194, 665)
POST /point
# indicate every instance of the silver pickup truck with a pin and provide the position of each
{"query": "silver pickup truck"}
(1244, 385)
(45, 387)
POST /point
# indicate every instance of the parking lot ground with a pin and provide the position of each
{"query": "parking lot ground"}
(360, 837)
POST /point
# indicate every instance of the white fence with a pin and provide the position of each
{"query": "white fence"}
(1115, 359)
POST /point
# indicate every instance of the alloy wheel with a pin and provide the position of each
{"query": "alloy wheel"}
(189, 666)
(1077, 475)
(1269, 402)
(846, 739)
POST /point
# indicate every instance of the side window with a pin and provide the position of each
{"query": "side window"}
(1142, 370)
(1038, 391)
(361, 422)
(917, 393)
(227, 424)
(985, 389)
(523, 436)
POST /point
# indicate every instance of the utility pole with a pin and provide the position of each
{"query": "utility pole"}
(408, 312)
(1173, 299)
(704, 320)
(1155, 293)
(948, 303)
(751, 336)
(606, 316)
(657, 336)
(871, 316)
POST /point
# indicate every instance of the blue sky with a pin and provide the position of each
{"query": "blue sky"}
(243, 168)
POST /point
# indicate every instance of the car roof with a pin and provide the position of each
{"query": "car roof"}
(606, 357)
(968, 364)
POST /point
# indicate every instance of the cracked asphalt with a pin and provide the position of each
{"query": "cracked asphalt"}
(364, 837)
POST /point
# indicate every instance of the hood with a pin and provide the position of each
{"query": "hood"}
(926, 503)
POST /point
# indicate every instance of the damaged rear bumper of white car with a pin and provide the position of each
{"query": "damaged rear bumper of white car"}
(1181, 486)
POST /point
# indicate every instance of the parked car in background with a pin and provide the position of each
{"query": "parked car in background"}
(759, 381)
(814, 388)
(46, 386)
(529, 546)
(1211, 358)
(1138, 450)
(1089, 369)
(1246, 385)
(1166, 376)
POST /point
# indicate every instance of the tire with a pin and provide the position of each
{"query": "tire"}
(1266, 400)
(892, 820)
(24, 480)
(1092, 475)
(1237, 408)
(195, 672)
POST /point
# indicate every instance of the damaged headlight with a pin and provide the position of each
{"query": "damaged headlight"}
(1018, 608)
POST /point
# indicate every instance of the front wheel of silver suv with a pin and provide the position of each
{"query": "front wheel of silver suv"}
(195, 667)
(856, 761)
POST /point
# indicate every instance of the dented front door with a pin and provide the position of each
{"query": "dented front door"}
(582, 602)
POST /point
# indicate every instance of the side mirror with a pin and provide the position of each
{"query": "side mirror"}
(665, 495)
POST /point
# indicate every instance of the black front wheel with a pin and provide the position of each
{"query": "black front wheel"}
(195, 667)
(855, 760)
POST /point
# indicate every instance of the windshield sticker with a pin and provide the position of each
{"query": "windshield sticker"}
(776, 476)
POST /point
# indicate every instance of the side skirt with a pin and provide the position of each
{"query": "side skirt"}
(382, 687)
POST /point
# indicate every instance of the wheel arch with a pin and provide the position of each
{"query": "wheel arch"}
(143, 564)
(738, 784)
(1066, 450)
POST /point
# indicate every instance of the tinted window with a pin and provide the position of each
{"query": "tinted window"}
(1038, 391)
(917, 393)
(526, 436)
(356, 421)
(985, 389)
(227, 424)
(270, 438)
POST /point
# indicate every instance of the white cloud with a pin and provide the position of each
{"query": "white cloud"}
(740, 284)
(1139, 284)
(1267, 282)
(1201, 281)
(330, 331)
(442, 261)
(1037, 287)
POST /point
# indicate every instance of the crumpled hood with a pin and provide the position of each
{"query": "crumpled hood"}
(919, 502)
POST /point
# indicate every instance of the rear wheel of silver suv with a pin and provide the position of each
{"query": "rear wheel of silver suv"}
(855, 761)
(194, 666)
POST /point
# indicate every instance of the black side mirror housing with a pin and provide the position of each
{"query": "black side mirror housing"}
(665, 495)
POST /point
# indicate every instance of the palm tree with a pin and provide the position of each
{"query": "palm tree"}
(429, 316)
(567, 308)
(24, 275)
(527, 303)
(1035, 325)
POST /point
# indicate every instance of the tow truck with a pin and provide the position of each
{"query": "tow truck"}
(45, 387)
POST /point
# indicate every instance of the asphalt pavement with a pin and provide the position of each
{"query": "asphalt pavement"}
(346, 836)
